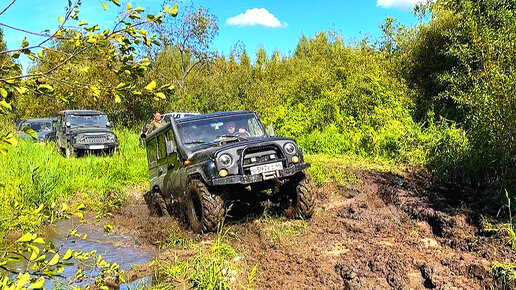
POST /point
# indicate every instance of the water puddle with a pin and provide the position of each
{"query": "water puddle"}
(113, 248)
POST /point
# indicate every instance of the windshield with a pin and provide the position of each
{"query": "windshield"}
(42, 126)
(88, 120)
(216, 131)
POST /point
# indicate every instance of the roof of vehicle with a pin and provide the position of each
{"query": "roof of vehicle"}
(180, 113)
(39, 120)
(211, 115)
(81, 112)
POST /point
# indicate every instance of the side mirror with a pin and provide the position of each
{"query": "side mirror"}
(68, 124)
(271, 131)
(170, 147)
(108, 124)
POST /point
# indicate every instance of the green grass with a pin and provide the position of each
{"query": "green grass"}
(213, 268)
(36, 173)
(338, 168)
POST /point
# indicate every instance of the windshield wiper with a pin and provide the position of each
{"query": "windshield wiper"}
(198, 142)
(237, 137)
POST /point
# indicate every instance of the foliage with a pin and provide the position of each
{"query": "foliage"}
(35, 173)
(462, 64)
(43, 261)
(63, 59)
(208, 269)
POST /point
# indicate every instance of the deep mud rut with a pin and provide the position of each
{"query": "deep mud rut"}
(388, 231)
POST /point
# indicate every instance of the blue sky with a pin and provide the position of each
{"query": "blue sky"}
(272, 24)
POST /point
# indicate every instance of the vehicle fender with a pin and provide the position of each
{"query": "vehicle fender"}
(206, 170)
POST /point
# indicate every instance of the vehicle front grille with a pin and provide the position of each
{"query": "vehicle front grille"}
(261, 155)
(94, 139)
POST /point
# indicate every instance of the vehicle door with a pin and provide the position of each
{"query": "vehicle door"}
(174, 166)
(152, 159)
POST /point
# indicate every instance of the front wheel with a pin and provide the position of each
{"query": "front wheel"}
(302, 196)
(205, 210)
(69, 152)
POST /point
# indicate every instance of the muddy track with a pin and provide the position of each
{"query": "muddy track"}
(388, 231)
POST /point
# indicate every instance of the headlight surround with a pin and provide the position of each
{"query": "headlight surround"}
(290, 148)
(111, 137)
(225, 160)
(80, 138)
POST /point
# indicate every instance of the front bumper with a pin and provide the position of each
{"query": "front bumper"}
(95, 147)
(248, 179)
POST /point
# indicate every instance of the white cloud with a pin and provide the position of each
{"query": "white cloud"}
(402, 4)
(255, 16)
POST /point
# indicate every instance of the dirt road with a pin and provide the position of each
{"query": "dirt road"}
(387, 231)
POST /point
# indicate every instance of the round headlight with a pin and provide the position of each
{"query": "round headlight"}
(225, 160)
(290, 148)
(111, 137)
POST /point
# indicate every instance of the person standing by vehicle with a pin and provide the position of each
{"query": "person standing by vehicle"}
(156, 123)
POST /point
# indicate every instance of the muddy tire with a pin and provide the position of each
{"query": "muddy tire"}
(205, 210)
(155, 203)
(303, 197)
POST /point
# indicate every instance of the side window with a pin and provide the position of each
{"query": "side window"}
(162, 149)
(151, 150)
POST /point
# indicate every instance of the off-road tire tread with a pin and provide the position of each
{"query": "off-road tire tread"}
(305, 205)
(212, 207)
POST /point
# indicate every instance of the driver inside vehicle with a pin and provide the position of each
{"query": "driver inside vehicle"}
(231, 129)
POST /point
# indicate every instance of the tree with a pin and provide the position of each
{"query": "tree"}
(191, 35)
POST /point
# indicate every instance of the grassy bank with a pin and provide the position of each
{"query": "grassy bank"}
(36, 173)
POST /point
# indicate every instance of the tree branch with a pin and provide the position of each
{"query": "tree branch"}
(7, 7)
(25, 31)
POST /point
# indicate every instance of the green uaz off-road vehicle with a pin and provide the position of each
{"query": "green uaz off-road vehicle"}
(205, 162)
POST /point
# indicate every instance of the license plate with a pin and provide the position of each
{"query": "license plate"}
(266, 168)
(95, 147)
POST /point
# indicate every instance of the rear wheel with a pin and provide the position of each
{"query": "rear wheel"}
(156, 203)
(205, 210)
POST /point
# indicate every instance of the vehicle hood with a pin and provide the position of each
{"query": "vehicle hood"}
(210, 152)
(40, 134)
(77, 131)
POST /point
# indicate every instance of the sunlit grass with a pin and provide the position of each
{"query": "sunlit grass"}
(36, 173)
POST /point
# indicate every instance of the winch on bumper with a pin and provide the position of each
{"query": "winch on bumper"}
(248, 179)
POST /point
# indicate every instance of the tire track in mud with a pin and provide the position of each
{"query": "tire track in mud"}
(389, 231)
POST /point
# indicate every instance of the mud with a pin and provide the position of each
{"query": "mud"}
(389, 231)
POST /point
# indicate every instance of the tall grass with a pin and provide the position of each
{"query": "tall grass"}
(36, 173)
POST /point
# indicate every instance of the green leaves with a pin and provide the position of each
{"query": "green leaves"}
(29, 131)
(171, 11)
(26, 238)
(151, 86)
(108, 229)
(45, 88)
(25, 43)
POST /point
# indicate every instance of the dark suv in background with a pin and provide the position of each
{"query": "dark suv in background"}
(44, 128)
(205, 162)
(84, 131)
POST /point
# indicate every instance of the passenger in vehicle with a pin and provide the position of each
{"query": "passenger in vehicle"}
(156, 123)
